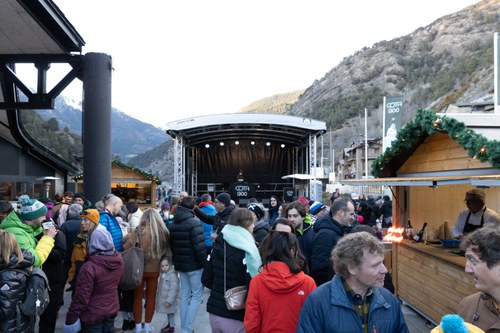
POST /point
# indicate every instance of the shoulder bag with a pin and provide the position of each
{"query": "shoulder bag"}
(235, 297)
(134, 264)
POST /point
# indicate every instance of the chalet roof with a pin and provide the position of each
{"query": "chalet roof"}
(137, 170)
(477, 134)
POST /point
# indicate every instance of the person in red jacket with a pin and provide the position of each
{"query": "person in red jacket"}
(277, 293)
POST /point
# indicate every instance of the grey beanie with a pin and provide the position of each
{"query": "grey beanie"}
(101, 241)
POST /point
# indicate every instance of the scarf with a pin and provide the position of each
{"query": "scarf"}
(241, 239)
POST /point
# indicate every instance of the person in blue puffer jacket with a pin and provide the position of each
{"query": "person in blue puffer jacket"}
(354, 301)
(207, 206)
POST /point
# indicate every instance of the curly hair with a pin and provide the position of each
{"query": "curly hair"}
(484, 242)
(350, 249)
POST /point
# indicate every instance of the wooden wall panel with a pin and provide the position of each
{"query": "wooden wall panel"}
(431, 284)
(437, 153)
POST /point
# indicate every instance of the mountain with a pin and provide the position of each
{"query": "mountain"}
(158, 161)
(450, 61)
(129, 136)
(276, 104)
(440, 66)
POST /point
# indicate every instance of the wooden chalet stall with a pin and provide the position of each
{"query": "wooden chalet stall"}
(430, 166)
(130, 184)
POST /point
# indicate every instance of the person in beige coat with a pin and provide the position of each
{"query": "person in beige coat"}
(154, 239)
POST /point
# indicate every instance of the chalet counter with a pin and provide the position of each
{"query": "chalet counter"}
(430, 279)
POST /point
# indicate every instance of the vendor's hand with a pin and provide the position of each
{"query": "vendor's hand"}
(51, 232)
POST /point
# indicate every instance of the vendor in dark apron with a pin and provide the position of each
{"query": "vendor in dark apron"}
(476, 215)
(469, 227)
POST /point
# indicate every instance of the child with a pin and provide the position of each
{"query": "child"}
(167, 293)
(14, 266)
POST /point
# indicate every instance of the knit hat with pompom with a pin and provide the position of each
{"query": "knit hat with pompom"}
(31, 209)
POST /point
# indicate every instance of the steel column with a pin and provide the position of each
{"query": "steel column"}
(178, 165)
(97, 125)
(312, 166)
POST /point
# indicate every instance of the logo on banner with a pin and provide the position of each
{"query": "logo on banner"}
(393, 110)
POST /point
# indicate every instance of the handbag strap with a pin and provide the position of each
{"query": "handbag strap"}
(138, 235)
(224, 267)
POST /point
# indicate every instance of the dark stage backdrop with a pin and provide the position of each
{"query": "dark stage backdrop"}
(259, 164)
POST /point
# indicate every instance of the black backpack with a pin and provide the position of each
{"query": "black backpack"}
(37, 298)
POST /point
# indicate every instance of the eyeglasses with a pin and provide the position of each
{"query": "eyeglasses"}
(472, 200)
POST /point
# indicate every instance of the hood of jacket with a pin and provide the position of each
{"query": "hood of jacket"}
(327, 222)
(27, 261)
(277, 277)
(261, 224)
(208, 208)
(182, 213)
(205, 203)
(110, 261)
(13, 221)
(138, 213)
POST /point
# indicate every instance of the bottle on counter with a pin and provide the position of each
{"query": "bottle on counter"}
(409, 230)
(420, 234)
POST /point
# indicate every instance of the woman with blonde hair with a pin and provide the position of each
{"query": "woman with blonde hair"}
(14, 265)
(153, 236)
(89, 223)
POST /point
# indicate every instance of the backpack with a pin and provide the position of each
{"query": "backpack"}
(37, 298)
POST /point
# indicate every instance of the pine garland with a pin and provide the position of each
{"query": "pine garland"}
(427, 122)
(129, 167)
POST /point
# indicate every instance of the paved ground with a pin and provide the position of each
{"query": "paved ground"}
(416, 323)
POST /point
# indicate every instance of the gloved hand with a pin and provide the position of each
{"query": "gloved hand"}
(72, 328)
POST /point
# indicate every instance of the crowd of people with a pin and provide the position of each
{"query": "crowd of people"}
(307, 266)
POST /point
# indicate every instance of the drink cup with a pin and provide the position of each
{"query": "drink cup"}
(47, 225)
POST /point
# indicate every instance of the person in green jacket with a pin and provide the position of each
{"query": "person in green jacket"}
(26, 226)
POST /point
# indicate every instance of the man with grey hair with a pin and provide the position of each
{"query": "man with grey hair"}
(71, 228)
(355, 300)
(329, 229)
(476, 215)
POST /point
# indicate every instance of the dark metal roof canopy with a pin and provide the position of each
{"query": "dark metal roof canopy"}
(34, 32)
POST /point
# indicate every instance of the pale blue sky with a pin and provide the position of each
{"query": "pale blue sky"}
(178, 59)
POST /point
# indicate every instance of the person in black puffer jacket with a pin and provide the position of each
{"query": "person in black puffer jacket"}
(189, 254)
(56, 273)
(329, 230)
(261, 228)
(235, 247)
(224, 209)
(14, 268)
